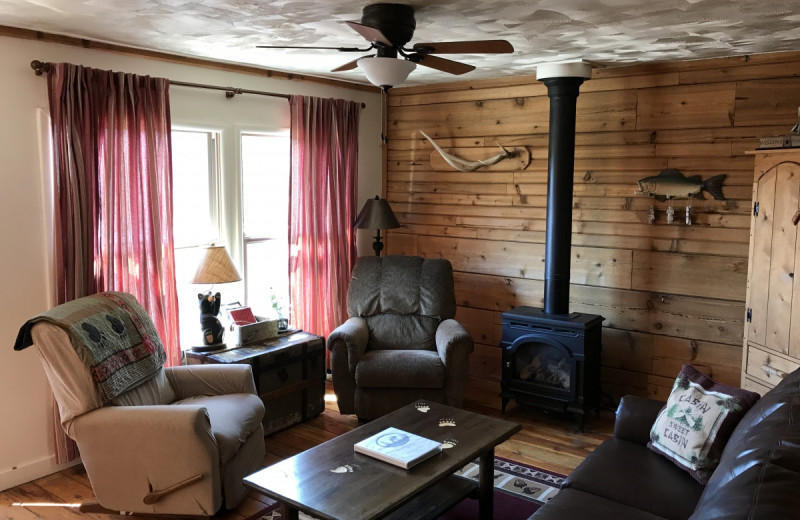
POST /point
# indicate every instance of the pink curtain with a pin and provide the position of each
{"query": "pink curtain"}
(324, 147)
(113, 191)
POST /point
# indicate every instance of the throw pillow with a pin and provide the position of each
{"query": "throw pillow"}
(693, 427)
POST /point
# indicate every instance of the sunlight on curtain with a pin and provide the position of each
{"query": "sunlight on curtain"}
(113, 199)
(324, 142)
(111, 138)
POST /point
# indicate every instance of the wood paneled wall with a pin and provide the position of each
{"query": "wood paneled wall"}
(670, 293)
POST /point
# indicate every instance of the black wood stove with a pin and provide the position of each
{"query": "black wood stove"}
(552, 361)
(551, 357)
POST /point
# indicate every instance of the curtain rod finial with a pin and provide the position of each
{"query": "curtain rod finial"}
(40, 67)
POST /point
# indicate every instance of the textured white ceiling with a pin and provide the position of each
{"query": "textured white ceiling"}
(607, 32)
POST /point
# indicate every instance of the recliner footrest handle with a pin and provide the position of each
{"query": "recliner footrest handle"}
(155, 496)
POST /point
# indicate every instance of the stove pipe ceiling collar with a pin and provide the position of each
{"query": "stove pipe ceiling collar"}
(563, 81)
(572, 69)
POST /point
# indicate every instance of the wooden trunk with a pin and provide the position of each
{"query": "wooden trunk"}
(289, 373)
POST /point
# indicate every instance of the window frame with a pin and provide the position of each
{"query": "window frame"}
(226, 204)
(282, 133)
(214, 180)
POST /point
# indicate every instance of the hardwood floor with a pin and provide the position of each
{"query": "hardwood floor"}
(548, 441)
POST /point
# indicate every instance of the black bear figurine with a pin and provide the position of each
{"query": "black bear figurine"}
(209, 323)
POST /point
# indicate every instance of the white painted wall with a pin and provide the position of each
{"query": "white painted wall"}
(26, 448)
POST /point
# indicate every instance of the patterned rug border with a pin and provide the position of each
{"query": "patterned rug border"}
(519, 479)
(511, 477)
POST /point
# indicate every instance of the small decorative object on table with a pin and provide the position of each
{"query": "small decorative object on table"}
(213, 331)
(242, 316)
(248, 328)
(277, 306)
(249, 333)
(216, 266)
(790, 140)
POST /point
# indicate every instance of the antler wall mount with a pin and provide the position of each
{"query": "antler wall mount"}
(441, 160)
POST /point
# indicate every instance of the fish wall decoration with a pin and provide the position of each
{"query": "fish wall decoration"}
(464, 165)
(672, 184)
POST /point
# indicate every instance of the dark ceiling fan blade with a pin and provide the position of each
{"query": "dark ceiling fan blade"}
(350, 65)
(435, 62)
(468, 47)
(371, 34)
(340, 49)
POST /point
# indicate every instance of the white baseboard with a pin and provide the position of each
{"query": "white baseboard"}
(37, 469)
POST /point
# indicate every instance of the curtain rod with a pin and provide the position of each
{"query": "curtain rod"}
(40, 67)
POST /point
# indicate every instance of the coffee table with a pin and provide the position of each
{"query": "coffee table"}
(332, 482)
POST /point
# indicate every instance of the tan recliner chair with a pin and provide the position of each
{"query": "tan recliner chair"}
(401, 343)
(178, 442)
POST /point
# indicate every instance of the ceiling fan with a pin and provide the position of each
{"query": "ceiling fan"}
(388, 28)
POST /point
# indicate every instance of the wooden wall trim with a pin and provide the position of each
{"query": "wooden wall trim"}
(28, 34)
(691, 71)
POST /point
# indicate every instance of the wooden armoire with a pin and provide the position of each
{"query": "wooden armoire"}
(772, 321)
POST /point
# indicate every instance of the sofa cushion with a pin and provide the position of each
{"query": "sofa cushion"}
(628, 473)
(233, 417)
(759, 470)
(402, 331)
(156, 390)
(400, 369)
(571, 504)
(398, 284)
(695, 424)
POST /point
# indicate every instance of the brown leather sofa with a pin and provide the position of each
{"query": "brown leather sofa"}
(758, 476)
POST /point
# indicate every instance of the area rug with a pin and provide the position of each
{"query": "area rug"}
(519, 490)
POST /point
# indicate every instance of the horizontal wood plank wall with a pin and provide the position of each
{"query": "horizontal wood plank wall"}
(670, 293)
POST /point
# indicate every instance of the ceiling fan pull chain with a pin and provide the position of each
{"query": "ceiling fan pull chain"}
(384, 101)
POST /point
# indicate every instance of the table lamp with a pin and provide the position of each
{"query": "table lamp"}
(376, 214)
(216, 266)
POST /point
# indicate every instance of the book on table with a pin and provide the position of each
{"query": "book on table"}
(398, 447)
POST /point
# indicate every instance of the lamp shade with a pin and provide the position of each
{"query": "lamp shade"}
(376, 214)
(385, 71)
(216, 267)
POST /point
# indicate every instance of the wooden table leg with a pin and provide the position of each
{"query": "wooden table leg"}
(288, 512)
(486, 486)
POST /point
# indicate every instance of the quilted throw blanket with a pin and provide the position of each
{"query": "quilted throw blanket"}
(112, 335)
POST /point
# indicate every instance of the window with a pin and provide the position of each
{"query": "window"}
(265, 221)
(195, 204)
(195, 169)
(232, 191)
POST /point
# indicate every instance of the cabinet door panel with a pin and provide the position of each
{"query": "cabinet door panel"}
(784, 241)
(758, 292)
(793, 168)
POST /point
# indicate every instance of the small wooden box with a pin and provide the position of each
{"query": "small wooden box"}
(289, 373)
(254, 332)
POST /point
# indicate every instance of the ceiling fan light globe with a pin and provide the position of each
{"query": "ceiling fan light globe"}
(386, 72)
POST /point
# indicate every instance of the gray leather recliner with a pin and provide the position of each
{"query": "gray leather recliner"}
(401, 343)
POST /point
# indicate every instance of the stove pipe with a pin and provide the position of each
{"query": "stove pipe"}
(563, 82)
